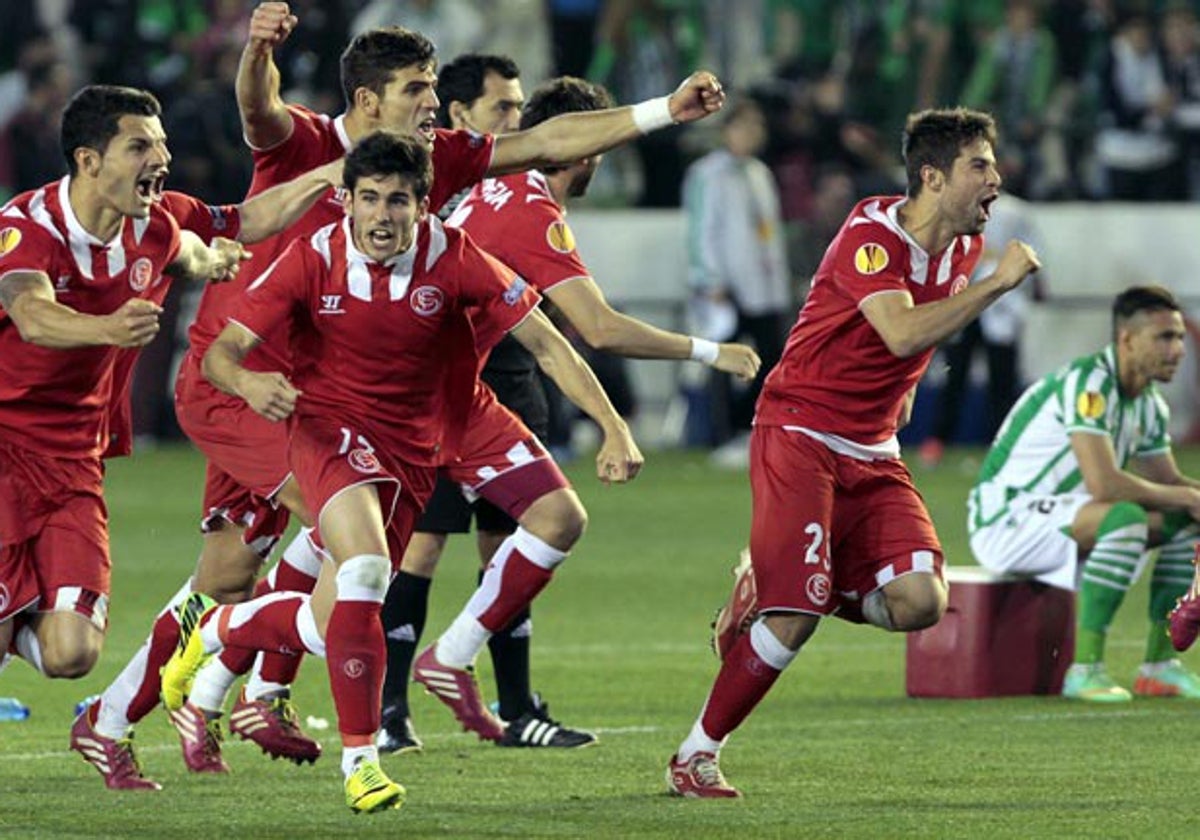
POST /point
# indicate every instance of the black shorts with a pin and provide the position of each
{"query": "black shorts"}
(448, 511)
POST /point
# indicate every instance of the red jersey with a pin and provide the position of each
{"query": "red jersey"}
(836, 375)
(206, 221)
(386, 346)
(460, 159)
(56, 402)
(517, 220)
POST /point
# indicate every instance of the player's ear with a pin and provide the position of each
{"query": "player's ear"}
(366, 101)
(87, 160)
(933, 177)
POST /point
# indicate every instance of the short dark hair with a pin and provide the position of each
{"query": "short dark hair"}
(935, 137)
(374, 55)
(382, 153)
(564, 95)
(90, 118)
(462, 79)
(1138, 299)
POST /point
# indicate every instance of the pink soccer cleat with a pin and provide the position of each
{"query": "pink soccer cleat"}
(272, 723)
(201, 740)
(113, 757)
(699, 777)
(1184, 622)
(739, 611)
(457, 688)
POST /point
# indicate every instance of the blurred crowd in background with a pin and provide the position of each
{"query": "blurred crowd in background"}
(1096, 99)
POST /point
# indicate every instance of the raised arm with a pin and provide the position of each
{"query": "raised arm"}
(604, 328)
(269, 394)
(265, 118)
(215, 263)
(571, 137)
(908, 329)
(28, 298)
(619, 458)
(276, 209)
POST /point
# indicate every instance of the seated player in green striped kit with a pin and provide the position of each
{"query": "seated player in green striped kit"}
(1080, 484)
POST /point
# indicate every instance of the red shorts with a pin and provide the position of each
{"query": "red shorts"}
(247, 457)
(324, 467)
(829, 529)
(53, 535)
(501, 460)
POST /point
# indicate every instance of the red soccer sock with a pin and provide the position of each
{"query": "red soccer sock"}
(266, 624)
(742, 682)
(281, 667)
(164, 638)
(509, 586)
(239, 660)
(356, 655)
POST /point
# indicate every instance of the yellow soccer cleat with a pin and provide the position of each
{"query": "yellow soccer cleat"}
(189, 657)
(368, 789)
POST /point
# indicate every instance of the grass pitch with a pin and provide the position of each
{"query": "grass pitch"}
(836, 750)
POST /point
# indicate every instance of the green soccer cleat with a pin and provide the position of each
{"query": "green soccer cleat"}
(1167, 679)
(368, 789)
(189, 657)
(1092, 684)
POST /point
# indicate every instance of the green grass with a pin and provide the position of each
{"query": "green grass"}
(836, 750)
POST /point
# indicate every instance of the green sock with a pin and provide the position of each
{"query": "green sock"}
(1107, 575)
(1170, 581)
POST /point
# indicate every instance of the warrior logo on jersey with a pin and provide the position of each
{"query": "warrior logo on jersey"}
(870, 258)
(364, 461)
(560, 238)
(10, 238)
(140, 273)
(818, 588)
(1090, 405)
(426, 300)
(960, 283)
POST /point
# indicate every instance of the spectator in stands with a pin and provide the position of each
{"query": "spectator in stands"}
(1180, 36)
(1013, 78)
(33, 132)
(1133, 144)
(738, 262)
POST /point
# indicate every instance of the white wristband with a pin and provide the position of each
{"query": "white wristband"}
(704, 350)
(653, 114)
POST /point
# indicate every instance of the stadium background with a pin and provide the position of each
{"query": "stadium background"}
(837, 750)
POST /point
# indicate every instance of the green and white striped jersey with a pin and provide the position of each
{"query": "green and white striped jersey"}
(1032, 451)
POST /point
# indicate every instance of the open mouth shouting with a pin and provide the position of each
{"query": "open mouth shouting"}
(150, 187)
(425, 128)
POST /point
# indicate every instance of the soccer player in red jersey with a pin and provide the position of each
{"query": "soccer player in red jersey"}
(521, 220)
(384, 364)
(84, 265)
(837, 526)
(388, 80)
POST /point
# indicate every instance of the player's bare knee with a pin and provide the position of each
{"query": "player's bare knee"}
(422, 554)
(70, 659)
(558, 519)
(919, 606)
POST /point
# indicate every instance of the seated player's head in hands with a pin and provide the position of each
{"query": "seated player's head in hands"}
(1149, 333)
(567, 95)
(387, 177)
(388, 77)
(114, 143)
(950, 163)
